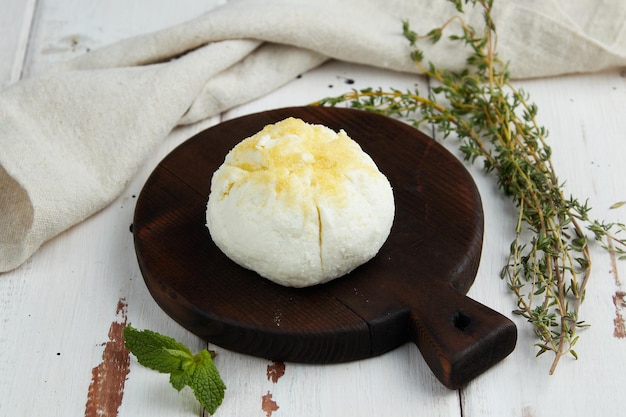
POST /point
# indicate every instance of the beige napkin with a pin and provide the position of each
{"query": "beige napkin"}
(71, 139)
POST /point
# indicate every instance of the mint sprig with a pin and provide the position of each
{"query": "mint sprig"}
(168, 356)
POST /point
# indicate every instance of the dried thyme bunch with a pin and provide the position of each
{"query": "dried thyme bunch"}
(549, 263)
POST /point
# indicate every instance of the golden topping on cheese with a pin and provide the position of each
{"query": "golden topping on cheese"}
(300, 204)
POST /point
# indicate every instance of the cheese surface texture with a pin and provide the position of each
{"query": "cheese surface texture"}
(300, 204)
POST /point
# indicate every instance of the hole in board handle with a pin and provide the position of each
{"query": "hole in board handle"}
(461, 320)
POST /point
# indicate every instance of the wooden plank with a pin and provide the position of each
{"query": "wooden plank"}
(62, 311)
(15, 25)
(59, 308)
(586, 130)
(69, 28)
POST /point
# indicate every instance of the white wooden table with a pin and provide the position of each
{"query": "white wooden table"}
(62, 311)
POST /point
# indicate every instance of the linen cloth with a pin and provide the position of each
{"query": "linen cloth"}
(71, 139)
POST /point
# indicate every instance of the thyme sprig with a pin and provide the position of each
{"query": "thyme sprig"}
(549, 264)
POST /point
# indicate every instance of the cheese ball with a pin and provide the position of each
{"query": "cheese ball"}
(300, 204)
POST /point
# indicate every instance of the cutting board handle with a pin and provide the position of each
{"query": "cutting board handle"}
(461, 338)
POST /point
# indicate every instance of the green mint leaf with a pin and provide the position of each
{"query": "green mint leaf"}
(202, 377)
(155, 351)
(166, 355)
(206, 383)
(180, 380)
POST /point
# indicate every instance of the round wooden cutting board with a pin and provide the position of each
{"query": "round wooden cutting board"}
(413, 290)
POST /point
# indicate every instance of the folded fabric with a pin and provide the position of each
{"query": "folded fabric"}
(71, 139)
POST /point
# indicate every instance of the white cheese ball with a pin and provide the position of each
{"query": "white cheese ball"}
(300, 204)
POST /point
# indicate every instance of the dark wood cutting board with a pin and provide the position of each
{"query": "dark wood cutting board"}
(413, 290)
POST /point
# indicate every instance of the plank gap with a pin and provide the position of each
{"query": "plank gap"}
(19, 62)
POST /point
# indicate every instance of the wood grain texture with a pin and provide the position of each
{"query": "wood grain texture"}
(63, 30)
(412, 290)
(15, 25)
